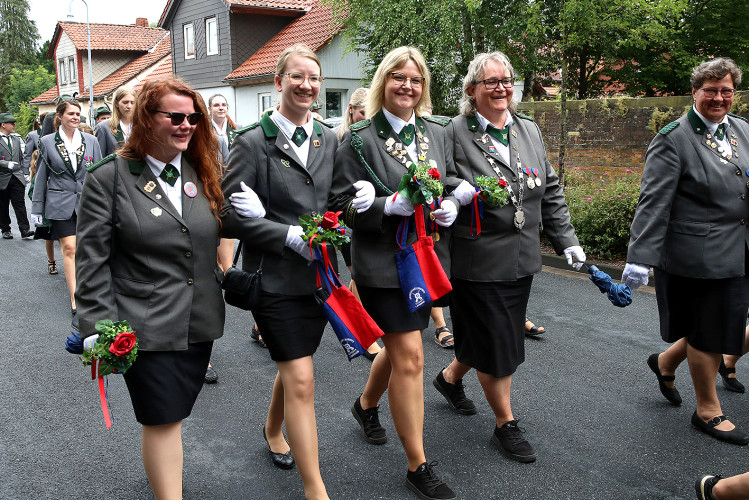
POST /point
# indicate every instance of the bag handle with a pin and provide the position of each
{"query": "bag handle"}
(402, 233)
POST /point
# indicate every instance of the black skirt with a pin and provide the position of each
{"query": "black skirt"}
(42, 232)
(164, 385)
(63, 228)
(489, 324)
(710, 313)
(389, 309)
(291, 325)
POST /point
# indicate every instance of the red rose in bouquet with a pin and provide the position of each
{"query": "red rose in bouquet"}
(434, 173)
(123, 344)
(502, 182)
(330, 220)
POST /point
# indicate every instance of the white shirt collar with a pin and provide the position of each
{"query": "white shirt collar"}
(711, 126)
(71, 145)
(398, 123)
(221, 131)
(157, 165)
(485, 123)
(287, 127)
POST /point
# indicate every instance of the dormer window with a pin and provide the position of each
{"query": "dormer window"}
(62, 73)
(71, 69)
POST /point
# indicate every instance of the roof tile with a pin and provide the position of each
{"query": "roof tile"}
(112, 36)
(130, 70)
(274, 4)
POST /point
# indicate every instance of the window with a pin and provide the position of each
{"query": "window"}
(211, 36)
(189, 39)
(62, 72)
(263, 102)
(333, 103)
(71, 70)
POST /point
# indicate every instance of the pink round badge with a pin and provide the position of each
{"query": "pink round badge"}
(191, 189)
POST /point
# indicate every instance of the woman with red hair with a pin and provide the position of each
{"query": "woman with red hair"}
(147, 232)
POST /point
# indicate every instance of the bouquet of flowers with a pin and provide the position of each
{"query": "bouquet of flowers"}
(324, 228)
(421, 184)
(114, 348)
(492, 191)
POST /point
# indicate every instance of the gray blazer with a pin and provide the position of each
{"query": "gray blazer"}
(7, 156)
(57, 188)
(153, 267)
(500, 252)
(108, 143)
(32, 143)
(373, 244)
(293, 191)
(692, 216)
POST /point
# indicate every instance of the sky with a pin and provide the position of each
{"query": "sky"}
(46, 13)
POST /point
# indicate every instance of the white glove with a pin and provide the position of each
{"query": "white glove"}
(36, 219)
(295, 242)
(635, 275)
(365, 196)
(445, 215)
(576, 253)
(89, 342)
(398, 205)
(27, 177)
(464, 193)
(11, 164)
(246, 203)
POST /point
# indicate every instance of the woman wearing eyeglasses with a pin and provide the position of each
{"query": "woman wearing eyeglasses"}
(147, 234)
(492, 270)
(691, 228)
(370, 163)
(287, 159)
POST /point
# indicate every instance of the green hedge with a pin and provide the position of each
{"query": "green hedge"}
(602, 210)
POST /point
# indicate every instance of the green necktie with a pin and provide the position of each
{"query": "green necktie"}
(169, 174)
(10, 144)
(406, 135)
(720, 133)
(499, 134)
(300, 135)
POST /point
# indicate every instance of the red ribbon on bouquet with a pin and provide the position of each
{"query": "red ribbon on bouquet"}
(102, 393)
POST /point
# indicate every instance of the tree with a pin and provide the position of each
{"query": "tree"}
(25, 84)
(18, 37)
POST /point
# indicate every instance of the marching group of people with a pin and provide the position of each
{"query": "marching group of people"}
(184, 181)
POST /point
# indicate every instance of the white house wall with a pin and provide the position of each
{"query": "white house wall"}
(64, 50)
(247, 110)
(230, 95)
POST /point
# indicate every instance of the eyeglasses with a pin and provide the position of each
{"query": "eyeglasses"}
(725, 93)
(179, 118)
(401, 79)
(298, 79)
(493, 83)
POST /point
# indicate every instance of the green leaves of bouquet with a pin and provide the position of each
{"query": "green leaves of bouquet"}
(493, 191)
(115, 348)
(324, 228)
(421, 184)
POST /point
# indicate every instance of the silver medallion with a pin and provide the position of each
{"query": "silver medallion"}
(529, 182)
(519, 220)
(538, 181)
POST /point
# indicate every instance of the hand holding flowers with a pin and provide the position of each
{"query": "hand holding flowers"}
(324, 228)
(421, 184)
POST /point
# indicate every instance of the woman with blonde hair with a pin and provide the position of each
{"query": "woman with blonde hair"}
(355, 112)
(375, 152)
(113, 133)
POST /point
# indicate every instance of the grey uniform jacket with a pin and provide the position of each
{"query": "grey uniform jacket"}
(373, 245)
(500, 252)
(32, 143)
(108, 143)
(692, 216)
(7, 156)
(293, 191)
(57, 187)
(154, 267)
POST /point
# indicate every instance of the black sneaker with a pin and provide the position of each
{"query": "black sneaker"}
(454, 394)
(510, 441)
(369, 420)
(704, 487)
(427, 486)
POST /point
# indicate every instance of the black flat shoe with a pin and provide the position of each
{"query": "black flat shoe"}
(370, 356)
(671, 394)
(729, 383)
(280, 460)
(734, 436)
(255, 335)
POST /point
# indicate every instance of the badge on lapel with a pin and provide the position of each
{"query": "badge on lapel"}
(316, 143)
(191, 189)
(156, 211)
(285, 163)
(150, 186)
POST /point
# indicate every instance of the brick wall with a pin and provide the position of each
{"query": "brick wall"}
(609, 136)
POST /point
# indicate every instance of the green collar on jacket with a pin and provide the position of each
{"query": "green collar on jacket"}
(271, 129)
(383, 128)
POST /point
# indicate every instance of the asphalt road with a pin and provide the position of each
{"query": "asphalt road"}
(585, 396)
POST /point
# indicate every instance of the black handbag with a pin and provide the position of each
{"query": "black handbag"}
(242, 288)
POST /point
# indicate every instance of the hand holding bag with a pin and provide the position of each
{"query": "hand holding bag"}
(241, 288)
(421, 275)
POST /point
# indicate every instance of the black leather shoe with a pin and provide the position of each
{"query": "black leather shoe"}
(370, 356)
(510, 441)
(27, 234)
(255, 335)
(280, 460)
(7, 235)
(734, 436)
(729, 383)
(211, 377)
(671, 394)
(454, 394)
(704, 487)
(427, 486)
(369, 421)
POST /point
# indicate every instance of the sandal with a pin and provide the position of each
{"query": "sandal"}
(51, 267)
(255, 335)
(448, 341)
(534, 330)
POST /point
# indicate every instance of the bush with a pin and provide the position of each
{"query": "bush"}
(602, 211)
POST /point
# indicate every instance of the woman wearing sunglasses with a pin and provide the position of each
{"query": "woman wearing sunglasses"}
(287, 158)
(147, 254)
(396, 131)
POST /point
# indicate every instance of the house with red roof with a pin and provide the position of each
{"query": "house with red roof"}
(120, 55)
(230, 47)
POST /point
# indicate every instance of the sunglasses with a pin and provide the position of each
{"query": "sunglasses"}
(179, 118)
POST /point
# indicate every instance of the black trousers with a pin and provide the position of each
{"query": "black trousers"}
(13, 194)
